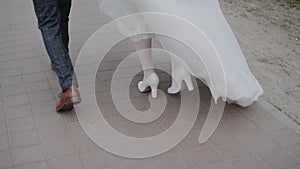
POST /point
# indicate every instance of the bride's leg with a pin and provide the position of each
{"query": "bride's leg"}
(150, 79)
(145, 56)
(179, 75)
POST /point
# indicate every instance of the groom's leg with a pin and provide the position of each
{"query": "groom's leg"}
(65, 8)
(49, 20)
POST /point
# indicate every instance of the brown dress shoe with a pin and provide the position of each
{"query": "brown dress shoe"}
(68, 99)
(66, 108)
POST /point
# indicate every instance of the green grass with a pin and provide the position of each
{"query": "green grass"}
(289, 3)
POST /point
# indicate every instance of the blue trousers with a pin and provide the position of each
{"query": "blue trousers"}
(53, 21)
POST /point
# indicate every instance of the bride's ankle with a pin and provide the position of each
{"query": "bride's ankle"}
(147, 73)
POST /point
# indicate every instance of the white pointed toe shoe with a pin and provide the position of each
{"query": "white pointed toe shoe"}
(177, 81)
(152, 82)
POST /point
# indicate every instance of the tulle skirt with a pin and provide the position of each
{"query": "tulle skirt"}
(218, 62)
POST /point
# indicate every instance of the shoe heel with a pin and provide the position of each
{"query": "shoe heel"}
(76, 101)
(189, 83)
(154, 91)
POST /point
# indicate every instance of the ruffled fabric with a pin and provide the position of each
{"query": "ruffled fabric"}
(216, 41)
(116, 9)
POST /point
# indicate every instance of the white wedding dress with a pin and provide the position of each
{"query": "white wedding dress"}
(218, 51)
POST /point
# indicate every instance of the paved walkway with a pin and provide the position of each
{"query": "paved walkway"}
(34, 136)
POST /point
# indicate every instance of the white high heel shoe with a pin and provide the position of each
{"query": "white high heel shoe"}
(180, 76)
(152, 82)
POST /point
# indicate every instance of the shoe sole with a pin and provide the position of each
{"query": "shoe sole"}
(73, 101)
(147, 90)
(69, 103)
(71, 107)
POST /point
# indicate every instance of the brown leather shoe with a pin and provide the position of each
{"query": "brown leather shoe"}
(68, 99)
(66, 108)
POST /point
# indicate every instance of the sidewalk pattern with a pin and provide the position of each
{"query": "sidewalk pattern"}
(34, 136)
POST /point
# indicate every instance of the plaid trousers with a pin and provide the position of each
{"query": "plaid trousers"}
(53, 20)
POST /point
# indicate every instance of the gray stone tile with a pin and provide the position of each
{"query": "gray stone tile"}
(268, 123)
(2, 116)
(27, 62)
(51, 75)
(103, 97)
(67, 162)
(104, 75)
(147, 130)
(294, 151)
(41, 96)
(34, 77)
(8, 57)
(105, 66)
(18, 112)
(54, 83)
(84, 144)
(16, 80)
(278, 159)
(10, 65)
(208, 155)
(126, 72)
(5, 159)
(135, 93)
(47, 120)
(43, 107)
(15, 100)
(122, 95)
(70, 116)
(46, 63)
(253, 161)
(21, 124)
(99, 159)
(136, 104)
(87, 79)
(118, 56)
(108, 109)
(294, 167)
(24, 139)
(232, 117)
(221, 165)
(32, 69)
(75, 129)
(38, 86)
(243, 128)
(56, 92)
(4, 142)
(254, 111)
(286, 137)
(132, 163)
(58, 148)
(35, 165)
(223, 134)
(234, 149)
(27, 155)
(168, 117)
(3, 129)
(259, 141)
(30, 54)
(11, 72)
(52, 133)
(174, 159)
